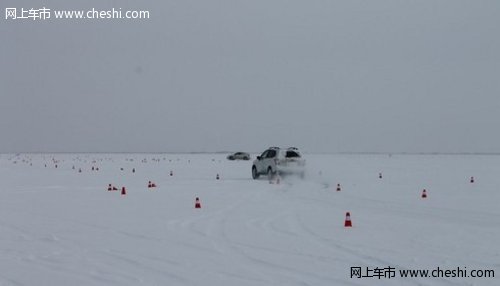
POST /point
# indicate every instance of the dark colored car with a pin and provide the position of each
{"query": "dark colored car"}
(239, 156)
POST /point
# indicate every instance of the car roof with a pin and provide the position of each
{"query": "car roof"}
(288, 149)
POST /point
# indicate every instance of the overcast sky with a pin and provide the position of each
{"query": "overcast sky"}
(211, 75)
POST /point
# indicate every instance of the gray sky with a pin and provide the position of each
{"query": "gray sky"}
(363, 76)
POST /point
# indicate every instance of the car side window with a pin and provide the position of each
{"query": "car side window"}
(264, 154)
(271, 154)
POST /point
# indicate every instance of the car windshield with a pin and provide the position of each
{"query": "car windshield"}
(292, 154)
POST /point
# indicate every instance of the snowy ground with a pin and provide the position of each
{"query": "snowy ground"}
(62, 227)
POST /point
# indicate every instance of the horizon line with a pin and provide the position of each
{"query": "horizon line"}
(226, 152)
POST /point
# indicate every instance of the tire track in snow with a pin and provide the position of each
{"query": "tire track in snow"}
(130, 259)
(369, 259)
(297, 227)
(5, 281)
(267, 269)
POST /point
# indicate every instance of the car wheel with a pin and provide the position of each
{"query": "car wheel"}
(255, 174)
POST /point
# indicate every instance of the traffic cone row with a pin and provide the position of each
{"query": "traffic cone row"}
(347, 221)
(197, 203)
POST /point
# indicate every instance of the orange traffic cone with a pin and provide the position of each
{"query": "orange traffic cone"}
(338, 188)
(424, 194)
(124, 192)
(347, 222)
(197, 204)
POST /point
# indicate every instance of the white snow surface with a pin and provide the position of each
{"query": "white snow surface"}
(62, 227)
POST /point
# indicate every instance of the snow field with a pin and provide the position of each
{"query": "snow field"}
(60, 227)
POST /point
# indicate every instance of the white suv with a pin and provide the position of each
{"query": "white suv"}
(279, 161)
